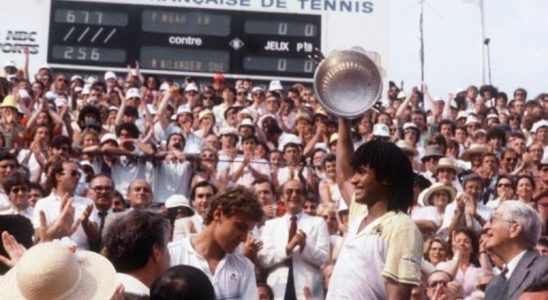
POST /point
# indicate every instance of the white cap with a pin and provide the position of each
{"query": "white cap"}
(275, 85)
(191, 87)
(164, 86)
(492, 116)
(61, 101)
(10, 63)
(246, 122)
(321, 146)
(228, 130)
(113, 108)
(257, 89)
(133, 93)
(248, 111)
(178, 201)
(76, 77)
(183, 109)
(109, 137)
(286, 139)
(110, 75)
(539, 124)
(471, 120)
(462, 114)
(380, 129)
(437, 98)
(410, 125)
(401, 95)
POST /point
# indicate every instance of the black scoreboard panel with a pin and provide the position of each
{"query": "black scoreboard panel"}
(183, 39)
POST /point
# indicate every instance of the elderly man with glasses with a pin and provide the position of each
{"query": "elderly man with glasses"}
(295, 265)
(512, 234)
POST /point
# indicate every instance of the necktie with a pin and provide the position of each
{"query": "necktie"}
(102, 217)
(292, 227)
(290, 287)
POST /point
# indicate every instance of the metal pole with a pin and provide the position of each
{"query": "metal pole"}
(482, 32)
(421, 29)
(486, 42)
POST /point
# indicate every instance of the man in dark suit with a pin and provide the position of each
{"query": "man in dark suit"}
(512, 235)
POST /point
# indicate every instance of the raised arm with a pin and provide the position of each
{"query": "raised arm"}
(345, 150)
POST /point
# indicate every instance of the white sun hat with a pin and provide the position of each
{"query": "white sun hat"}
(51, 271)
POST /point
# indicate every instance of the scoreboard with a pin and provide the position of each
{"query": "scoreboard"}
(183, 40)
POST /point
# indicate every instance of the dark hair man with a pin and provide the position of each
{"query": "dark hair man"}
(63, 205)
(8, 164)
(380, 258)
(136, 244)
(230, 217)
(182, 282)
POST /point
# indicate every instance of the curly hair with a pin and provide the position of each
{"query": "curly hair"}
(130, 238)
(235, 200)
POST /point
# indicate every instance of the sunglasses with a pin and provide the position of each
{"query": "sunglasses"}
(18, 189)
(73, 173)
(208, 97)
(504, 185)
(241, 93)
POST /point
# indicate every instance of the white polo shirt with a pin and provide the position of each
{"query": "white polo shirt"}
(51, 205)
(234, 277)
(389, 247)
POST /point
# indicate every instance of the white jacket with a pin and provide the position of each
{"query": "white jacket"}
(306, 263)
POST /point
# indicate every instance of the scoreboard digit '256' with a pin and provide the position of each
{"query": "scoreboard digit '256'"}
(180, 40)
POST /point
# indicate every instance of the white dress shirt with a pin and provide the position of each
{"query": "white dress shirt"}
(132, 285)
(513, 263)
(51, 205)
(12, 211)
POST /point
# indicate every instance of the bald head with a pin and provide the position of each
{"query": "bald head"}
(139, 194)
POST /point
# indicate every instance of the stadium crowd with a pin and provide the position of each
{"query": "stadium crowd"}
(229, 189)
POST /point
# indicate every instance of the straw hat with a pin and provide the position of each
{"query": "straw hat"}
(473, 149)
(406, 146)
(424, 196)
(447, 163)
(205, 112)
(51, 271)
(9, 101)
(333, 138)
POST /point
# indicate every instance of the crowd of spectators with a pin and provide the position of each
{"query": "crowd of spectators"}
(133, 166)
